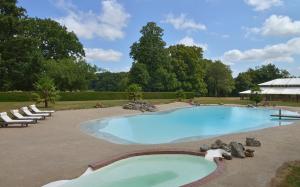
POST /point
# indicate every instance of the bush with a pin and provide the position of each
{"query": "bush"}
(180, 95)
(89, 95)
(134, 92)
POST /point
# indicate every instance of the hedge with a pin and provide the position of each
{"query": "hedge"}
(89, 95)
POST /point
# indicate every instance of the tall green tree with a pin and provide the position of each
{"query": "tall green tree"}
(20, 60)
(139, 75)
(150, 50)
(54, 41)
(219, 79)
(189, 67)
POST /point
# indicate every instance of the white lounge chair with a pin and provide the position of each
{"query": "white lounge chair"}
(7, 120)
(19, 116)
(38, 111)
(28, 113)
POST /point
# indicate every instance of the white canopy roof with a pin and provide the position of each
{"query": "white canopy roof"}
(282, 82)
(276, 91)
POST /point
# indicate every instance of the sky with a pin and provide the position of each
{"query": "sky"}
(241, 33)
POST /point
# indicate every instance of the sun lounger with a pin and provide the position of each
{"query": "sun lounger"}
(28, 113)
(7, 120)
(38, 111)
(19, 116)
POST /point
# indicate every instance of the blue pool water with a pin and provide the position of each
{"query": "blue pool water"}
(183, 124)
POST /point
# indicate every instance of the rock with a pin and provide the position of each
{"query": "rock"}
(140, 105)
(249, 150)
(226, 147)
(252, 142)
(237, 150)
(214, 146)
(204, 148)
(218, 144)
(226, 156)
(249, 153)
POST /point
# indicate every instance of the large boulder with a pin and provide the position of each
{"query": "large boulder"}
(226, 156)
(237, 150)
(250, 141)
(204, 148)
(217, 144)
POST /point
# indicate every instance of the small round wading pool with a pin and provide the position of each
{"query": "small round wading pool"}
(153, 170)
(183, 124)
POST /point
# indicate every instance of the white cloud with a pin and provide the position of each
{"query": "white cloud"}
(277, 26)
(98, 54)
(260, 5)
(108, 24)
(181, 22)
(282, 52)
(189, 41)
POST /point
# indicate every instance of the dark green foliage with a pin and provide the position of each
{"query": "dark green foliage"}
(180, 95)
(70, 75)
(54, 41)
(134, 92)
(139, 75)
(108, 81)
(26, 42)
(219, 79)
(89, 95)
(156, 70)
(251, 77)
(189, 68)
(255, 94)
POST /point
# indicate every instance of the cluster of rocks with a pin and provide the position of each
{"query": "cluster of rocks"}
(141, 106)
(233, 149)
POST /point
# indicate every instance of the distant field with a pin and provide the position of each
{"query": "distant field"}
(69, 105)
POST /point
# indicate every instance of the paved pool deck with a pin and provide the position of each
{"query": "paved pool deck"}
(57, 149)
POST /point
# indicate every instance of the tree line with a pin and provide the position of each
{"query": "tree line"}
(159, 68)
(31, 48)
(34, 51)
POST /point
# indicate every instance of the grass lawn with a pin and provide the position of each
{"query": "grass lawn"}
(288, 175)
(68, 105)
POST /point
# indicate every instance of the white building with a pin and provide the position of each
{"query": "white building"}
(287, 89)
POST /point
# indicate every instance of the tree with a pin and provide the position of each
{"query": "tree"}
(46, 91)
(108, 81)
(69, 74)
(189, 67)
(219, 79)
(251, 77)
(134, 92)
(243, 82)
(255, 94)
(54, 41)
(139, 75)
(150, 51)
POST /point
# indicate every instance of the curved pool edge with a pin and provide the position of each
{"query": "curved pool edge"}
(117, 140)
(218, 161)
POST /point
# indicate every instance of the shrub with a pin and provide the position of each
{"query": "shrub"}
(180, 95)
(134, 92)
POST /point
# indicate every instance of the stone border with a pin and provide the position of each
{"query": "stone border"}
(204, 180)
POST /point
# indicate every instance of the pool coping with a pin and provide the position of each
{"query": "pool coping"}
(218, 160)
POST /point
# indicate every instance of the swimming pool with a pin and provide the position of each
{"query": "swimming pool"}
(148, 170)
(183, 124)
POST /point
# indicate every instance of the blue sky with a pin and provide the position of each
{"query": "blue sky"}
(241, 33)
